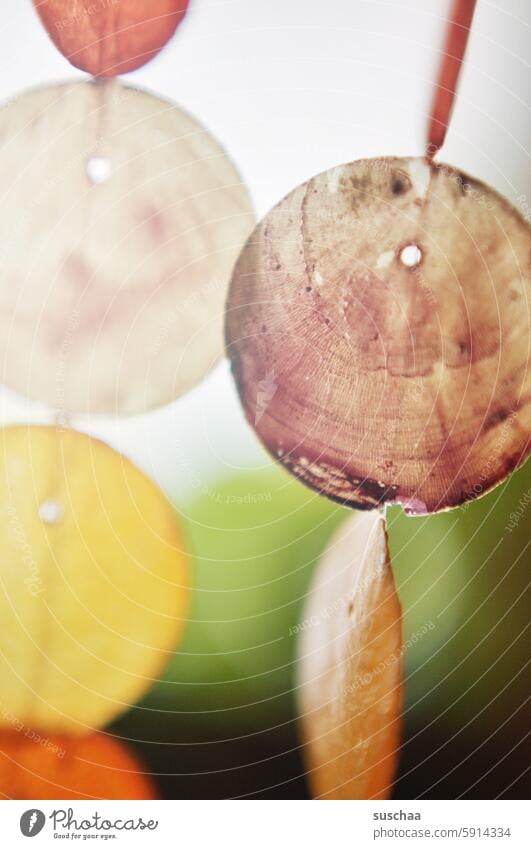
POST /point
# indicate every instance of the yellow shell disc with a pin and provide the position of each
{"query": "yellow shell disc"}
(93, 581)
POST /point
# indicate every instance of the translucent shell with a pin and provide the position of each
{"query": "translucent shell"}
(110, 37)
(350, 666)
(96, 766)
(378, 328)
(93, 602)
(121, 218)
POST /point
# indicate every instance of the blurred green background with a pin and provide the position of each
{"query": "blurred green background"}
(222, 720)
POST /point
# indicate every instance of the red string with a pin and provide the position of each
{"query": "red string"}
(452, 59)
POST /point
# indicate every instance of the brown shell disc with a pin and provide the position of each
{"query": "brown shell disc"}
(378, 328)
(121, 219)
(110, 37)
(350, 666)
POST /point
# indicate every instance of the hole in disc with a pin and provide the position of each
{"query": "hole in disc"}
(99, 169)
(51, 512)
(410, 256)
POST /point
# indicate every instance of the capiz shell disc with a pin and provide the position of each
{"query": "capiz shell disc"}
(95, 766)
(94, 581)
(110, 37)
(121, 220)
(378, 328)
(350, 670)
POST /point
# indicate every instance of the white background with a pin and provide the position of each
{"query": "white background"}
(250, 825)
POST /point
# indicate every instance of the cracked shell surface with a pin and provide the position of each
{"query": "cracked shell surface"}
(378, 328)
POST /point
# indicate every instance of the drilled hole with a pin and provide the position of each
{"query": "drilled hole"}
(99, 169)
(410, 256)
(51, 512)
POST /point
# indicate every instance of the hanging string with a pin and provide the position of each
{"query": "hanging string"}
(452, 59)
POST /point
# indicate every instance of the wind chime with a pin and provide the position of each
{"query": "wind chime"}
(379, 309)
(374, 319)
(122, 220)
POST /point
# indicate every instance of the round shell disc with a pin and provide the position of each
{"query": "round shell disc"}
(378, 329)
(93, 581)
(110, 37)
(121, 220)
